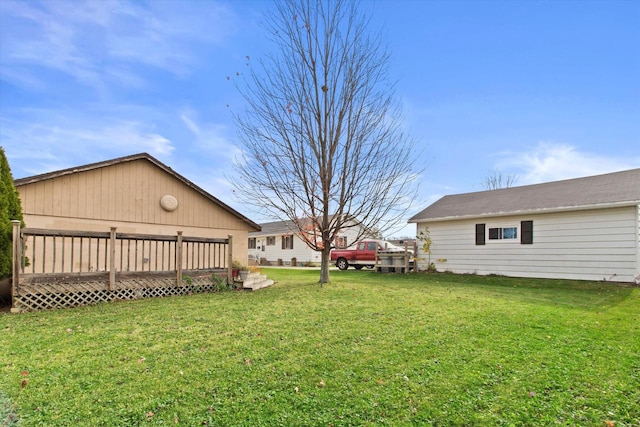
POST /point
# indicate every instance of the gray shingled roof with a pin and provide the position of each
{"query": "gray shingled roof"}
(275, 228)
(285, 227)
(617, 188)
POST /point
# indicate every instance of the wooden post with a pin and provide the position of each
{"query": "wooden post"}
(179, 258)
(17, 262)
(112, 260)
(230, 261)
(406, 257)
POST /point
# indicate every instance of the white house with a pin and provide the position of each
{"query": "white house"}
(280, 242)
(584, 228)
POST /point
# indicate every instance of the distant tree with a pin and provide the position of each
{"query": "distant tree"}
(322, 137)
(496, 180)
(10, 209)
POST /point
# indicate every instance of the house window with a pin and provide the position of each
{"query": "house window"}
(271, 240)
(526, 232)
(480, 234)
(503, 233)
(341, 242)
(252, 243)
(287, 242)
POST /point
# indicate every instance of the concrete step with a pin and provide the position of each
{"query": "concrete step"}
(256, 281)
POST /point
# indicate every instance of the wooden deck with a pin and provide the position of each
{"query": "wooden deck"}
(61, 268)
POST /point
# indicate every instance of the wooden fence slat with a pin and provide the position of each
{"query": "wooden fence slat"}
(112, 259)
(179, 259)
(72, 251)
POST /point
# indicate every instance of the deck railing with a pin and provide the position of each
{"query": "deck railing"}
(47, 256)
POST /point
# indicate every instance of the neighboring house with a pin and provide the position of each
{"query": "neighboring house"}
(279, 242)
(136, 194)
(584, 228)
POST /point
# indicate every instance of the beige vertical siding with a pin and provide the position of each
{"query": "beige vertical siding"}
(127, 196)
(130, 192)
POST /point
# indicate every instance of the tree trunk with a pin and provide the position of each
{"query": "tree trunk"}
(324, 265)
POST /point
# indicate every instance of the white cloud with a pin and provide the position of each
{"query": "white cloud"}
(211, 139)
(550, 161)
(99, 43)
(193, 127)
(61, 141)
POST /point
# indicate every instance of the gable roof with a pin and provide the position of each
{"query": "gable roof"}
(134, 157)
(275, 228)
(593, 192)
(290, 227)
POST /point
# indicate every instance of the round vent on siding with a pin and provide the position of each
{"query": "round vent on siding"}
(169, 203)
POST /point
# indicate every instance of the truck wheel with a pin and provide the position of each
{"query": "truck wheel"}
(342, 264)
(358, 267)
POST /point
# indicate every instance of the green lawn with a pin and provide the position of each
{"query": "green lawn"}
(368, 349)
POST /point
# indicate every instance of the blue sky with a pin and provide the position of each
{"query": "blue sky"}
(543, 90)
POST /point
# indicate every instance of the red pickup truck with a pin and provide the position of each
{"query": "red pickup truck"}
(364, 255)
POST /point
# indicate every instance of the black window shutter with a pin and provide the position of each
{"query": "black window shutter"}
(526, 232)
(480, 234)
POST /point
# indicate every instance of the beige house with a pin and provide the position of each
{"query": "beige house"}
(136, 194)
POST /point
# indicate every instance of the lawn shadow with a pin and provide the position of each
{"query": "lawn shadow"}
(577, 294)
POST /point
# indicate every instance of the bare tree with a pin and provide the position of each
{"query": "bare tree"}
(321, 136)
(496, 180)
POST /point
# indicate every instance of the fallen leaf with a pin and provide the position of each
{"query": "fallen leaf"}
(24, 373)
(532, 393)
(247, 361)
(149, 414)
(321, 383)
(24, 382)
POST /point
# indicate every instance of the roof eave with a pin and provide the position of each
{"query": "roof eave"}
(528, 212)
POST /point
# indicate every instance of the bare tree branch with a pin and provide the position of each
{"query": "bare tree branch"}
(321, 135)
(496, 180)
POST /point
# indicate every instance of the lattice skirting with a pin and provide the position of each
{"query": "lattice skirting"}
(45, 296)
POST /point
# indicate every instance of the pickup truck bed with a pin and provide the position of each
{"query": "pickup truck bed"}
(364, 254)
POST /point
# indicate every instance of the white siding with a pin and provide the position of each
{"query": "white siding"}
(589, 245)
(300, 251)
(351, 234)
(637, 277)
